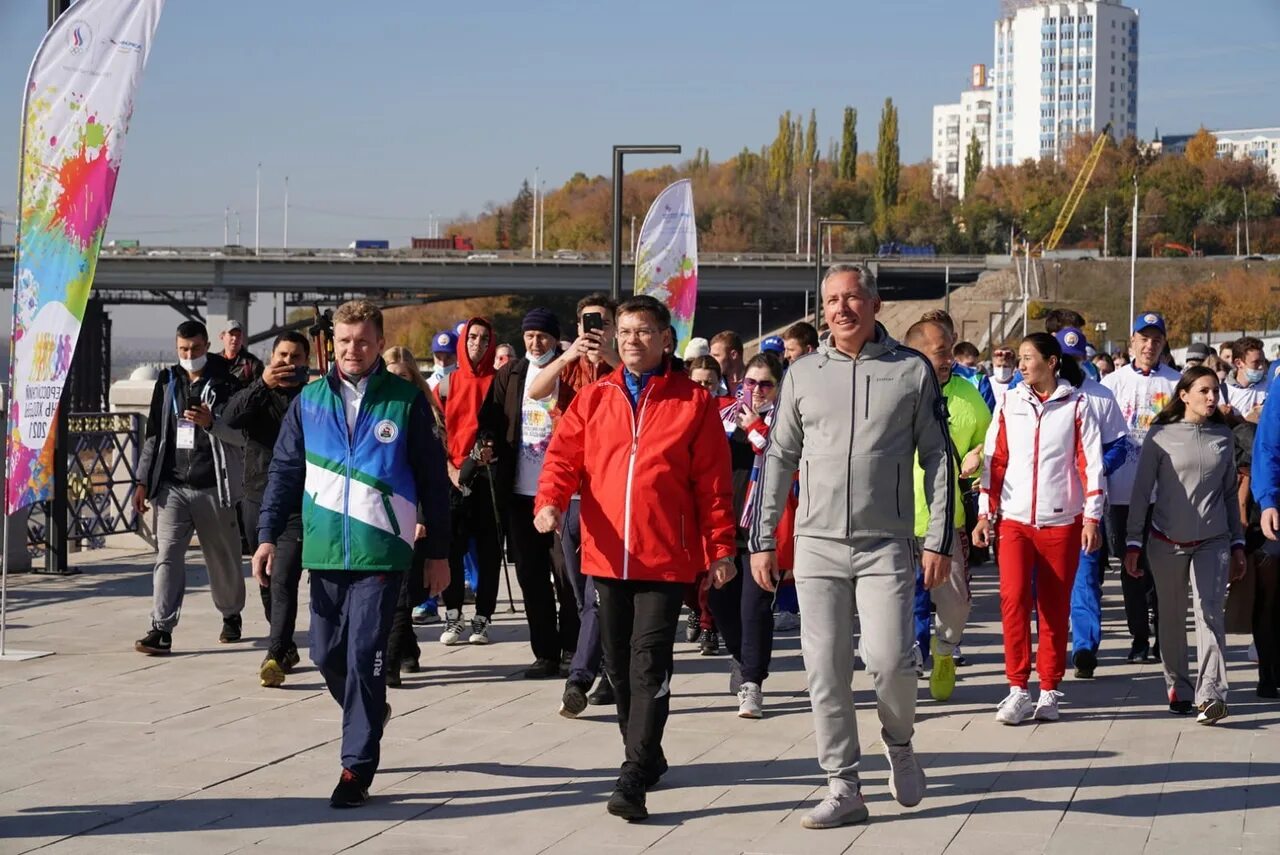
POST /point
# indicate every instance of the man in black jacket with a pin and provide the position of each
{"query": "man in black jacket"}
(258, 410)
(192, 468)
(522, 429)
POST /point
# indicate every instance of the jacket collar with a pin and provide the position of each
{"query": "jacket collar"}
(1024, 391)
(334, 377)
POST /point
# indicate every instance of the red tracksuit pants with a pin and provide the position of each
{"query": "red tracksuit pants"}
(1040, 563)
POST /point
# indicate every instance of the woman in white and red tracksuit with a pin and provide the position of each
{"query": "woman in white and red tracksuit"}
(1042, 493)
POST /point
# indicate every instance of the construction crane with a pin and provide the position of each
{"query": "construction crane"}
(1081, 184)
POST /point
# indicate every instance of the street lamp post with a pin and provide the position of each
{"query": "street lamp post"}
(615, 283)
(808, 225)
(823, 225)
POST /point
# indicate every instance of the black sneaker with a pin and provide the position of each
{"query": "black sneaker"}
(1181, 707)
(410, 666)
(573, 701)
(157, 642)
(710, 643)
(603, 694)
(291, 658)
(1085, 661)
(692, 629)
(566, 662)
(230, 629)
(654, 775)
(393, 677)
(1140, 651)
(542, 669)
(350, 792)
(627, 802)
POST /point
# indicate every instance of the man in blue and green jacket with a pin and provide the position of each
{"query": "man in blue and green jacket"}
(358, 451)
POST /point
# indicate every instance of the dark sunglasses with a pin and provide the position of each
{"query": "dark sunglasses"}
(766, 385)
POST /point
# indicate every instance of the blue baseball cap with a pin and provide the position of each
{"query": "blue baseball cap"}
(1149, 319)
(773, 344)
(459, 328)
(445, 341)
(1072, 342)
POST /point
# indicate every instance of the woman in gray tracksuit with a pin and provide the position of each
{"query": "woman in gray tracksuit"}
(1188, 464)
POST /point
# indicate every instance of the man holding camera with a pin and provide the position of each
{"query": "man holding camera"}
(592, 356)
(473, 504)
(358, 451)
(657, 509)
(192, 468)
(259, 410)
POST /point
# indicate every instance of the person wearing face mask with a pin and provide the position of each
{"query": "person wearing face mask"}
(444, 350)
(743, 609)
(192, 468)
(1002, 369)
(1141, 388)
(1247, 386)
(522, 426)
(1195, 531)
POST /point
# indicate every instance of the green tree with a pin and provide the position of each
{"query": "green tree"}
(782, 156)
(849, 146)
(888, 167)
(522, 216)
(972, 163)
(501, 238)
(811, 141)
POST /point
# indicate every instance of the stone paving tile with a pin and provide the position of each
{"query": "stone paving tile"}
(109, 752)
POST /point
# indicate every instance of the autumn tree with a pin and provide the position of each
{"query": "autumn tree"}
(848, 170)
(972, 163)
(811, 141)
(1201, 148)
(782, 156)
(887, 167)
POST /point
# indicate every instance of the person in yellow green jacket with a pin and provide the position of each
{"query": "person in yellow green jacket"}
(967, 422)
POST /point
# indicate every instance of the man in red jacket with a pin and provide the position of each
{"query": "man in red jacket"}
(657, 509)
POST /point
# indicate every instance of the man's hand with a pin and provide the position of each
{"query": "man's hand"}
(455, 476)
(982, 533)
(419, 531)
(275, 376)
(140, 501)
(722, 572)
(1271, 524)
(1254, 415)
(201, 415)
(603, 351)
(1238, 565)
(547, 520)
(764, 569)
(937, 568)
(436, 576)
(972, 463)
(263, 561)
(1131, 563)
(1090, 538)
(581, 348)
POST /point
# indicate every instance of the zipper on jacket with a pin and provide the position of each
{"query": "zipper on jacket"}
(1035, 464)
(682, 543)
(853, 422)
(637, 418)
(897, 491)
(866, 400)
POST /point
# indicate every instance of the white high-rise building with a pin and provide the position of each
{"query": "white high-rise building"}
(1261, 145)
(1063, 69)
(953, 126)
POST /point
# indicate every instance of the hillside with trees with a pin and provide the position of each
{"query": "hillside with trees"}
(749, 202)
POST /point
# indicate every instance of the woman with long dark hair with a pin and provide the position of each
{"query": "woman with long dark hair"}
(1188, 460)
(1042, 493)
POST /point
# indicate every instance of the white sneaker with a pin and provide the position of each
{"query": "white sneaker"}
(480, 630)
(750, 701)
(1016, 707)
(786, 622)
(454, 627)
(1047, 705)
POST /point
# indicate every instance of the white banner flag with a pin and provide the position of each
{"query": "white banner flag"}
(667, 257)
(75, 113)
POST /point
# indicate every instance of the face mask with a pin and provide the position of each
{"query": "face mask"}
(1003, 373)
(196, 364)
(1255, 375)
(542, 360)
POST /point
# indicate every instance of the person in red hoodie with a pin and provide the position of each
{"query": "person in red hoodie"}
(473, 507)
(657, 505)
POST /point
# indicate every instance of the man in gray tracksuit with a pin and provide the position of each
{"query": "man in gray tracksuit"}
(851, 419)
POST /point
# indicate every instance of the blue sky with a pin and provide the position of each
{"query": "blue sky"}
(395, 109)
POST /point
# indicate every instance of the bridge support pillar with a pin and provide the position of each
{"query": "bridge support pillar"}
(222, 305)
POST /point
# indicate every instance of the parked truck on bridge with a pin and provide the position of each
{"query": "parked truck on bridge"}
(370, 244)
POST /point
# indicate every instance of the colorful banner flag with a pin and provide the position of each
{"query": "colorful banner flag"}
(75, 113)
(667, 257)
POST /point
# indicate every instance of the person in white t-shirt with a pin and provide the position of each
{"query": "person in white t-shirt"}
(1248, 383)
(1141, 388)
(521, 428)
(1003, 362)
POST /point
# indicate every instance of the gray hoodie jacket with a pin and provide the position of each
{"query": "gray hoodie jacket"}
(1191, 469)
(852, 428)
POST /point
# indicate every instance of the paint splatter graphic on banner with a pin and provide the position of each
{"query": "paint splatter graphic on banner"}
(79, 100)
(667, 258)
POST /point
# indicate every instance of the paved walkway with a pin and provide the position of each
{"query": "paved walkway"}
(107, 751)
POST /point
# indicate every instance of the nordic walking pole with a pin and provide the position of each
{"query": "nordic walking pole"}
(502, 544)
